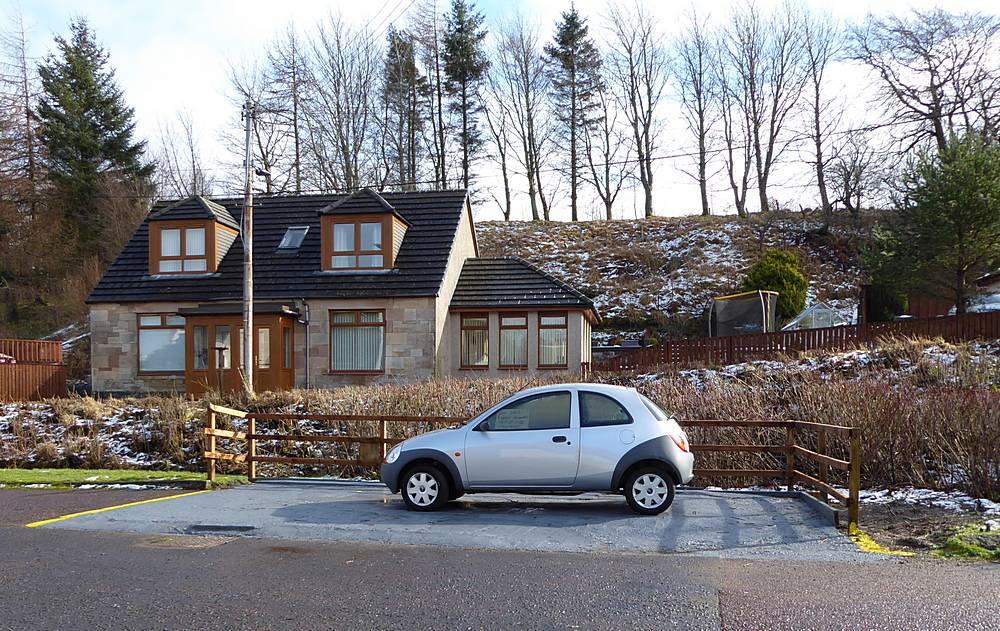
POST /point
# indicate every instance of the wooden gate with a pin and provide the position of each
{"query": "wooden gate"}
(34, 370)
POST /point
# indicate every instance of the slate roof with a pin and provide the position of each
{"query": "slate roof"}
(503, 283)
(364, 201)
(196, 207)
(433, 217)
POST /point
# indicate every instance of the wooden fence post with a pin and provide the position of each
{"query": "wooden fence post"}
(854, 481)
(210, 445)
(789, 456)
(251, 448)
(823, 467)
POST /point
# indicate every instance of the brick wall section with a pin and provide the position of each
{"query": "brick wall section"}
(114, 348)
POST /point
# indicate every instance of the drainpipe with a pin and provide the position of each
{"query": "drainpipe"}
(304, 320)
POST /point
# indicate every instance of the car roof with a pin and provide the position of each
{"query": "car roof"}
(595, 387)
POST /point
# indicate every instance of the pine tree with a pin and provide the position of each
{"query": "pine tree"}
(402, 86)
(575, 76)
(87, 129)
(465, 65)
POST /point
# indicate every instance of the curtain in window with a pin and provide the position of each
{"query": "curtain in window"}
(475, 347)
(200, 343)
(514, 347)
(357, 348)
(552, 347)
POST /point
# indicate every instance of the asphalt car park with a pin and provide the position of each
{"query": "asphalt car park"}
(700, 522)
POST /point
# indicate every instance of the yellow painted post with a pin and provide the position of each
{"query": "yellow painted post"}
(789, 456)
(383, 434)
(854, 482)
(210, 445)
(251, 448)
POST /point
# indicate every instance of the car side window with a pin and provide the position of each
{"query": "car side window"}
(597, 410)
(542, 411)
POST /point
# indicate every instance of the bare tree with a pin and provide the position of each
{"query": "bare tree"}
(608, 152)
(180, 169)
(498, 122)
(522, 82)
(856, 173)
(939, 72)
(764, 55)
(401, 118)
(288, 76)
(640, 65)
(270, 135)
(822, 43)
(697, 82)
(340, 107)
(18, 124)
(734, 111)
(427, 27)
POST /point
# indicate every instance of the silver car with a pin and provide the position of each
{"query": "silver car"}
(565, 438)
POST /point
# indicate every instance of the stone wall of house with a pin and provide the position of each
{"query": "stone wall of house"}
(409, 341)
(114, 349)
(464, 247)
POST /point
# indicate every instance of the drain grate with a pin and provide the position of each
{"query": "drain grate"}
(219, 529)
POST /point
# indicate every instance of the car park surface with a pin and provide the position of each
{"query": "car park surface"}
(707, 523)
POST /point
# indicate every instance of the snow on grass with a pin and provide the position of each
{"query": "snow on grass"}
(948, 500)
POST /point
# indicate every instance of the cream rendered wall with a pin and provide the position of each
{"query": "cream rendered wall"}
(114, 348)
(463, 247)
(577, 346)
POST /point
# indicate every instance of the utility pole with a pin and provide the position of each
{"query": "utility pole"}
(248, 332)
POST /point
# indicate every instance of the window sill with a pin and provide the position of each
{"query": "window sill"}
(562, 367)
(473, 367)
(512, 367)
(350, 272)
(181, 275)
(354, 373)
(160, 373)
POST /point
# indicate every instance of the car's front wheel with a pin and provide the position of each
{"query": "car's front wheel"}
(649, 490)
(425, 488)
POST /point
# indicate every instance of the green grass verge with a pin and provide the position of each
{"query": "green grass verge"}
(971, 542)
(75, 477)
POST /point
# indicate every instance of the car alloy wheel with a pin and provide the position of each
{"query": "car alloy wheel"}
(422, 489)
(650, 490)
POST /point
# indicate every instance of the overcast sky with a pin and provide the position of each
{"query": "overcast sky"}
(172, 56)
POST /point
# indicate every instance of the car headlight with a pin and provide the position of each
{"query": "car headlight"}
(393, 454)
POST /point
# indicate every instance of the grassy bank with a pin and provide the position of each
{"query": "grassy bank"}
(76, 477)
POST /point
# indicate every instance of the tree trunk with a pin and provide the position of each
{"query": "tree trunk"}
(960, 292)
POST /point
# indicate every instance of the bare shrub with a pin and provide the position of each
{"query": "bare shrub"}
(46, 454)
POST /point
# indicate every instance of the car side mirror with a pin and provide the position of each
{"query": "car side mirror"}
(483, 427)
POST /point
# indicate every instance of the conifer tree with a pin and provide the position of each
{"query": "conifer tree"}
(402, 86)
(575, 75)
(87, 129)
(465, 65)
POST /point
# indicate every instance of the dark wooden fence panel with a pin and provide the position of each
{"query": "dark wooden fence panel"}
(740, 348)
(37, 372)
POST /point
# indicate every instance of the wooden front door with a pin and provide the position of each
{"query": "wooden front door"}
(214, 354)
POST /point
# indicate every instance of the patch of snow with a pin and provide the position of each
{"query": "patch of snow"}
(949, 500)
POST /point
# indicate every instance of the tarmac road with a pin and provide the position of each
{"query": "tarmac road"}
(53, 578)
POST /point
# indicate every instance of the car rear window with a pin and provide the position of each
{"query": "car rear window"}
(597, 410)
(654, 409)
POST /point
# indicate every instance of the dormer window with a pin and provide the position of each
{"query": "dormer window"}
(360, 232)
(182, 250)
(357, 245)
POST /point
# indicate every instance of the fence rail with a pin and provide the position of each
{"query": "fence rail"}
(739, 348)
(37, 372)
(372, 449)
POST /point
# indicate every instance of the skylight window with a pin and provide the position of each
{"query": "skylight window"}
(293, 237)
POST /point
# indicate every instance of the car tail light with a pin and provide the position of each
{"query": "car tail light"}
(680, 440)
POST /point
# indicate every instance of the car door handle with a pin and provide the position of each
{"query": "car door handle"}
(558, 439)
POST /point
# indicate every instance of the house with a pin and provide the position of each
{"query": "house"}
(348, 289)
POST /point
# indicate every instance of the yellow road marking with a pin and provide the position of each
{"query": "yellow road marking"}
(867, 544)
(45, 522)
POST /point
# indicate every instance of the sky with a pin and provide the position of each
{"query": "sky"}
(172, 57)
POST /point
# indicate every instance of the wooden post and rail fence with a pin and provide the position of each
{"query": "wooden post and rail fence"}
(714, 351)
(372, 449)
(34, 370)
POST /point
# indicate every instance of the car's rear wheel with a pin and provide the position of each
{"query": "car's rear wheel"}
(425, 488)
(649, 490)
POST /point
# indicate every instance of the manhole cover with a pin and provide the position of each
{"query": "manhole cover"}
(182, 542)
(220, 529)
